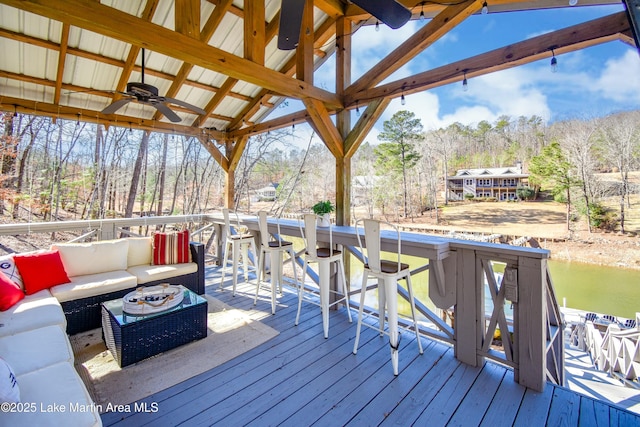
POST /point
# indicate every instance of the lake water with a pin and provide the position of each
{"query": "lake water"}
(607, 290)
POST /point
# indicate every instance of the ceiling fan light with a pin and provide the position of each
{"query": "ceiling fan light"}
(485, 8)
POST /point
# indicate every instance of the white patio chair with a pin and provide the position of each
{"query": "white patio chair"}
(388, 273)
(274, 248)
(236, 244)
(323, 257)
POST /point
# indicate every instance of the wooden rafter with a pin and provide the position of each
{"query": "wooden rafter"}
(569, 39)
(321, 121)
(364, 124)
(187, 18)
(304, 52)
(130, 29)
(254, 31)
(148, 12)
(326, 31)
(90, 116)
(62, 57)
(215, 101)
(426, 36)
(205, 35)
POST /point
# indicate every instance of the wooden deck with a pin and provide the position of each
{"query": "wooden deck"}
(300, 379)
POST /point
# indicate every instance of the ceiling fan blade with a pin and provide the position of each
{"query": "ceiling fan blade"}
(389, 12)
(116, 105)
(290, 23)
(185, 105)
(166, 111)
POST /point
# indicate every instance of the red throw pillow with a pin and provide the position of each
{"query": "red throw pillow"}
(171, 248)
(10, 293)
(41, 270)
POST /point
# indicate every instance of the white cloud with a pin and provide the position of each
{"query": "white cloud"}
(620, 78)
(370, 46)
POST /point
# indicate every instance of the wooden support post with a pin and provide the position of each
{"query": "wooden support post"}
(343, 123)
(230, 178)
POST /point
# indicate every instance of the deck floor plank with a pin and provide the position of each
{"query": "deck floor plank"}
(299, 378)
(300, 389)
(372, 401)
(592, 414)
(408, 409)
(476, 403)
(534, 408)
(364, 377)
(565, 408)
(505, 404)
(444, 404)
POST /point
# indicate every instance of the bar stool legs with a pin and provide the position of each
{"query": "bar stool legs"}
(388, 307)
(234, 247)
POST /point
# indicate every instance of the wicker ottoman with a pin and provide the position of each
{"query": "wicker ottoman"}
(134, 338)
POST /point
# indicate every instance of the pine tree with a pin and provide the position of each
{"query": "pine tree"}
(398, 154)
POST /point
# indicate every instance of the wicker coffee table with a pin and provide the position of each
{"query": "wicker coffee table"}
(134, 338)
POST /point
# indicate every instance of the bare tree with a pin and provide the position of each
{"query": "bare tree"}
(619, 146)
(577, 139)
(135, 177)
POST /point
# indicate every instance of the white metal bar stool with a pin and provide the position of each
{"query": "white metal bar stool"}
(388, 273)
(236, 244)
(323, 257)
(275, 249)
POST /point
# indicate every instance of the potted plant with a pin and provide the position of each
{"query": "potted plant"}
(323, 210)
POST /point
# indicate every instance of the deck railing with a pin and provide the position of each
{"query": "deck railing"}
(463, 276)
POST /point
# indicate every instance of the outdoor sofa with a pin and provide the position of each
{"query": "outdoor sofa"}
(34, 346)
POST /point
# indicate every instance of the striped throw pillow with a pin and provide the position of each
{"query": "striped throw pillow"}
(171, 248)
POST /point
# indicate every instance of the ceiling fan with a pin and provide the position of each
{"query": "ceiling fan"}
(148, 94)
(389, 12)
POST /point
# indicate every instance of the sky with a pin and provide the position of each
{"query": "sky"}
(592, 82)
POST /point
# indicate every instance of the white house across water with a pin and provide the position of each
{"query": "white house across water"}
(500, 183)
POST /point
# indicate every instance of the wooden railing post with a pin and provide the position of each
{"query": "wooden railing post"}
(469, 315)
(108, 230)
(530, 325)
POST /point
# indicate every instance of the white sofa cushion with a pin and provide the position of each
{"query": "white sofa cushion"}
(80, 259)
(140, 251)
(34, 311)
(31, 350)
(94, 284)
(9, 388)
(150, 273)
(54, 386)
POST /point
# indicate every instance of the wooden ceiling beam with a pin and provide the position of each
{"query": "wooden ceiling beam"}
(364, 124)
(215, 101)
(304, 51)
(321, 121)
(150, 8)
(217, 155)
(187, 18)
(275, 124)
(90, 116)
(431, 9)
(236, 151)
(333, 8)
(254, 31)
(207, 32)
(437, 27)
(62, 57)
(130, 29)
(114, 62)
(569, 39)
(324, 33)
